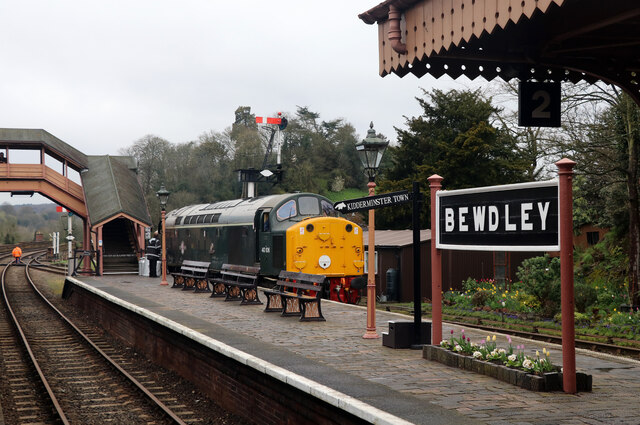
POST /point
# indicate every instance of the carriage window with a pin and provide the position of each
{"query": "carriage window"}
(287, 210)
(308, 205)
(200, 219)
(178, 221)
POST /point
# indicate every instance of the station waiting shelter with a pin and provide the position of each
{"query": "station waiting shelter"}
(103, 191)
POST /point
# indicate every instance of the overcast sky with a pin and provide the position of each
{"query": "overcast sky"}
(101, 74)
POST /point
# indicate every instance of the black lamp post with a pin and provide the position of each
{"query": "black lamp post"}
(163, 196)
(370, 151)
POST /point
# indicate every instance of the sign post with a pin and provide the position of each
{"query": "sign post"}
(435, 184)
(565, 172)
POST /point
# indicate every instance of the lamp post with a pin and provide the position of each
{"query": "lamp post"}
(370, 151)
(163, 196)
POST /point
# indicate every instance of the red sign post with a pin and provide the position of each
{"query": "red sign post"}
(435, 184)
(565, 173)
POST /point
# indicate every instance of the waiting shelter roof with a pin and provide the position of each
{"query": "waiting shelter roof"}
(553, 40)
(111, 190)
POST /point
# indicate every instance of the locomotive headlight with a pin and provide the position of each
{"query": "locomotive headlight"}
(324, 261)
(299, 251)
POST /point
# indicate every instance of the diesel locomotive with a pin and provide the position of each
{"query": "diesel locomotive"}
(298, 232)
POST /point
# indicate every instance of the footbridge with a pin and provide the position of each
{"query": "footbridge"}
(101, 190)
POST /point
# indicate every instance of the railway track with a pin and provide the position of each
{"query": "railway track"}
(69, 379)
(537, 334)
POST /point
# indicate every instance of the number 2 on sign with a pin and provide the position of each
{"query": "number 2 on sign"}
(542, 111)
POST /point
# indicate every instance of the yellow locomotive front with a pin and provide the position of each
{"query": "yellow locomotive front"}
(332, 247)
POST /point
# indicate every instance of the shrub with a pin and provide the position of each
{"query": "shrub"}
(541, 277)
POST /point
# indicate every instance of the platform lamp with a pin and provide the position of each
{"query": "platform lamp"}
(370, 151)
(163, 196)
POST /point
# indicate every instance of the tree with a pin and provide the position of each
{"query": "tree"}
(455, 138)
(603, 130)
(152, 153)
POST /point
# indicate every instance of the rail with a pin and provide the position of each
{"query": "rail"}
(63, 417)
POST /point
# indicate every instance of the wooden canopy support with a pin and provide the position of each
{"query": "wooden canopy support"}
(542, 40)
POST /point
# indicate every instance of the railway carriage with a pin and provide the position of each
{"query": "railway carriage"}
(298, 232)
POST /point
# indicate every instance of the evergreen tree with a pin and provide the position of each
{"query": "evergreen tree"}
(455, 138)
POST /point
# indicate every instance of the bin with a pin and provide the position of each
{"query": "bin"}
(143, 267)
(392, 285)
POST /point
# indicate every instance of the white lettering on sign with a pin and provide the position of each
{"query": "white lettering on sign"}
(478, 218)
(462, 212)
(524, 216)
(543, 213)
(459, 219)
(449, 223)
(494, 218)
(509, 227)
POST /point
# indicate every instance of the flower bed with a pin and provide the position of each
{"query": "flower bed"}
(505, 364)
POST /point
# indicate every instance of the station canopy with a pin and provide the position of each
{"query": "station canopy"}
(541, 40)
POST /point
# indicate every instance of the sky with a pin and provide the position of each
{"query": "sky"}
(100, 75)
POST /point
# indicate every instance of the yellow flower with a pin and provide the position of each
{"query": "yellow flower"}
(544, 350)
(488, 338)
(537, 353)
(494, 337)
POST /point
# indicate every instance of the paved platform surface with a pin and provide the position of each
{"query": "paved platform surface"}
(399, 383)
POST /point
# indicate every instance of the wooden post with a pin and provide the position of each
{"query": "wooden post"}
(435, 184)
(565, 204)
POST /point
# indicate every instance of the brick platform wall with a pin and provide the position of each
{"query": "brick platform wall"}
(236, 387)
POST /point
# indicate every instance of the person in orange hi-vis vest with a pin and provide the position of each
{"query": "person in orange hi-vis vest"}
(17, 253)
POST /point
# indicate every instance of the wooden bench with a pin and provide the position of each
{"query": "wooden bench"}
(237, 282)
(192, 275)
(297, 294)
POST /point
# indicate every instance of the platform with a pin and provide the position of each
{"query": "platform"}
(380, 384)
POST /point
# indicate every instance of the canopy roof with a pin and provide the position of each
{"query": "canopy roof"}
(545, 40)
(112, 190)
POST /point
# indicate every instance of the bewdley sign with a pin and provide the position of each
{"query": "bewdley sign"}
(516, 217)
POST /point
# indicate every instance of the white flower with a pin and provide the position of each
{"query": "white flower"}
(502, 351)
(527, 364)
(457, 348)
(444, 343)
(494, 353)
(477, 355)
(512, 358)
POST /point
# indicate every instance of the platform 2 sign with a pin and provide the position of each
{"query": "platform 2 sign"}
(517, 217)
(539, 104)
(373, 202)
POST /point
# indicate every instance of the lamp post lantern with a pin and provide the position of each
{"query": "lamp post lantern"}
(163, 196)
(370, 151)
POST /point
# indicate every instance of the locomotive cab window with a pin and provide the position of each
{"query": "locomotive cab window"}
(287, 210)
(308, 205)
(327, 209)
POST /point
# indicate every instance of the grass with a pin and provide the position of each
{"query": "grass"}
(350, 193)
